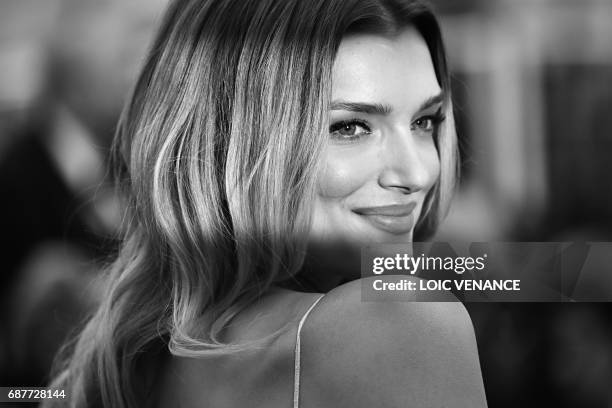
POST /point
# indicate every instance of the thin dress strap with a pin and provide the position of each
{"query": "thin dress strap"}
(296, 372)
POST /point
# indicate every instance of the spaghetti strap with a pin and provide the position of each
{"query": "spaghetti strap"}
(296, 371)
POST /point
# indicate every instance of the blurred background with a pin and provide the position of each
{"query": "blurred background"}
(533, 98)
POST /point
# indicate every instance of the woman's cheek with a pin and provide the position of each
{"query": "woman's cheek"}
(433, 164)
(343, 174)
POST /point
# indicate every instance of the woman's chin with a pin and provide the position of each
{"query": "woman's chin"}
(373, 236)
(361, 236)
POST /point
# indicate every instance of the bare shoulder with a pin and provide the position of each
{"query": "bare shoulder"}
(344, 306)
(389, 353)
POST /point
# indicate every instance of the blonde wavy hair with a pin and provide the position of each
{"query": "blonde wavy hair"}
(216, 152)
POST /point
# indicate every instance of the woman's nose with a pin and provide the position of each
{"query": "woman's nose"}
(406, 163)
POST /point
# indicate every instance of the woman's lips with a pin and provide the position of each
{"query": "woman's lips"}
(396, 218)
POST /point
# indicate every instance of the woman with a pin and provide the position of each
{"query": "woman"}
(261, 136)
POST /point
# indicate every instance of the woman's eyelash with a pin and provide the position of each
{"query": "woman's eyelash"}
(348, 125)
(438, 117)
(435, 118)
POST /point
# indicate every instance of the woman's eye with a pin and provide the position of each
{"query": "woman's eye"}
(348, 130)
(426, 123)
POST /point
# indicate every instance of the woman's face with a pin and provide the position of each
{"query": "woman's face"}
(380, 160)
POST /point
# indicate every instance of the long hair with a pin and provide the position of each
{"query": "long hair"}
(215, 153)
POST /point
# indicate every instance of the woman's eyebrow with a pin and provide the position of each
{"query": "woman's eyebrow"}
(369, 108)
(382, 109)
(431, 101)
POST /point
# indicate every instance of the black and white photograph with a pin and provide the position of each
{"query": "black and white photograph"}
(306, 203)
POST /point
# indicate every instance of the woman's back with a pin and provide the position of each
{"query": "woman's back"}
(259, 377)
(353, 353)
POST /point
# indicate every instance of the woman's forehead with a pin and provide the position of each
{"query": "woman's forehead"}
(395, 71)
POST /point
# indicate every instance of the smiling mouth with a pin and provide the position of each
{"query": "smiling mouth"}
(396, 219)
